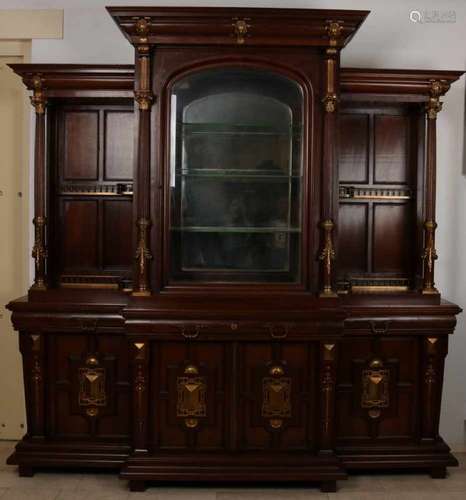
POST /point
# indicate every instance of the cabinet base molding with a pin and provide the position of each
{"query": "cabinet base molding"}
(31, 454)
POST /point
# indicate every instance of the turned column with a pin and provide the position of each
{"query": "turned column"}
(329, 178)
(429, 254)
(140, 396)
(144, 100)
(39, 250)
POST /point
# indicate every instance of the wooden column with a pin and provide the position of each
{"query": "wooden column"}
(434, 351)
(39, 250)
(429, 256)
(329, 177)
(140, 396)
(327, 396)
(32, 350)
(144, 99)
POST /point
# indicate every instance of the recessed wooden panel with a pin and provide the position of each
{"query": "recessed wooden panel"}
(352, 238)
(299, 371)
(117, 233)
(170, 362)
(119, 145)
(79, 233)
(391, 149)
(81, 155)
(393, 237)
(400, 356)
(353, 148)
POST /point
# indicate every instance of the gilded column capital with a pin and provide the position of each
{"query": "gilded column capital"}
(38, 99)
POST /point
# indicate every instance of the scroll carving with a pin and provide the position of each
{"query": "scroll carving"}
(276, 397)
(37, 385)
(327, 395)
(39, 252)
(140, 404)
(327, 256)
(375, 388)
(434, 106)
(192, 397)
(92, 386)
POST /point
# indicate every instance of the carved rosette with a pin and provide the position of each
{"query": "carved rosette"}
(142, 256)
(327, 256)
(429, 256)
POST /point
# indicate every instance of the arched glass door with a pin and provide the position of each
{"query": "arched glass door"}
(236, 177)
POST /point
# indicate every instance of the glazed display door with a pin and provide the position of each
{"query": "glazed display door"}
(236, 177)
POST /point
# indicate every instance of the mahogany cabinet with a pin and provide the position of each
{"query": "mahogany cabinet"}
(234, 256)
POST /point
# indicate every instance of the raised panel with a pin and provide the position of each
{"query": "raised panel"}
(353, 148)
(393, 238)
(81, 145)
(394, 417)
(189, 384)
(352, 238)
(73, 356)
(79, 232)
(119, 145)
(117, 234)
(289, 372)
(391, 164)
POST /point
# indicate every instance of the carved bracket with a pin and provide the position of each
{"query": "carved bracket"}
(276, 397)
(38, 99)
(434, 106)
(192, 397)
(375, 394)
(241, 29)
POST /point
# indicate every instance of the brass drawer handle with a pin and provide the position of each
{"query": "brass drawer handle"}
(278, 331)
(380, 328)
(191, 334)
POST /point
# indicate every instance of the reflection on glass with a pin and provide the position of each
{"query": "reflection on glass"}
(235, 177)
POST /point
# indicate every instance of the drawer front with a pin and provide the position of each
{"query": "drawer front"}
(377, 390)
(88, 389)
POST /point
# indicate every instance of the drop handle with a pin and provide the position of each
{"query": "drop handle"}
(124, 189)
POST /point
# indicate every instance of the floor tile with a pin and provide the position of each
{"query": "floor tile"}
(103, 494)
(19, 493)
(98, 481)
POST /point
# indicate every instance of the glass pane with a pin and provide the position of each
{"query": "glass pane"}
(236, 177)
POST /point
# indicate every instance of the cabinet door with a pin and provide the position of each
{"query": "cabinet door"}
(88, 393)
(277, 397)
(236, 169)
(377, 394)
(190, 387)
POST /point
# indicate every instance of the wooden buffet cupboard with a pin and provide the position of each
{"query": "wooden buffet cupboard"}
(234, 256)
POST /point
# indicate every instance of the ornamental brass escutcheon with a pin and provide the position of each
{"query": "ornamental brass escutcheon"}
(192, 390)
(92, 387)
(276, 397)
(375, 388)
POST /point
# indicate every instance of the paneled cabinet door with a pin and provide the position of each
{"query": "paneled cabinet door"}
(189, 408)
(377, 390)
(87, 392)
(276, 396)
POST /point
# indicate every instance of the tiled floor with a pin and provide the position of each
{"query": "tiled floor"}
(102, 486)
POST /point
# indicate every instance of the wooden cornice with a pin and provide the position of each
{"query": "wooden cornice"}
(216, 26)
(77, 77)
(395, 81)
(110, 77)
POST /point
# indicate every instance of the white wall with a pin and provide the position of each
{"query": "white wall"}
(387, 39)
